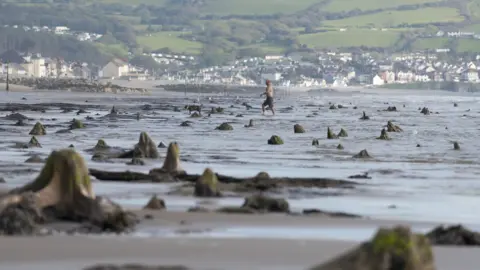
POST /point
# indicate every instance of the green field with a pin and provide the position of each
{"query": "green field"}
(430, 43)
(394, 18)
(255, 7)
(468, 45)
(354, 38)
(347, 5)
(171, 40)
(132, 2)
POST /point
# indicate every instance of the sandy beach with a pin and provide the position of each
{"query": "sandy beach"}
(76, 252)
(408, 185)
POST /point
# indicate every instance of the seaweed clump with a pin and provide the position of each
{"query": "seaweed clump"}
(38, 129)
(396, 248)
(207, 185)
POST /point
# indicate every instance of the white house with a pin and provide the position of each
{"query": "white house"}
(272, 76)
(470, 74)
(114, 69)
(377, 80)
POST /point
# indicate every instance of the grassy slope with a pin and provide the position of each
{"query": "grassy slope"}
(358, 37)
(352, 37)
(171, 40)
(347, 5)
(395, 18)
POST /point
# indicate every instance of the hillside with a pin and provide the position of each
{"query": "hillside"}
(222, 29)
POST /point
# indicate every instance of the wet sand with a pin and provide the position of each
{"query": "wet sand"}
(76, 252)
(15, 88)
(417, 181)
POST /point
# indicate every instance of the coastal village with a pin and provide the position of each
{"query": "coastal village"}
(325, 69)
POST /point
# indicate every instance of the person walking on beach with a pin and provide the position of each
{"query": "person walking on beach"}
(269, 100)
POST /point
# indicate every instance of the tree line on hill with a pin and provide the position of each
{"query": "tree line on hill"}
(51, 45)
(224, 37)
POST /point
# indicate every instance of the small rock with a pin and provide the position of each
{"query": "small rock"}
(155, 204)
(362, 154)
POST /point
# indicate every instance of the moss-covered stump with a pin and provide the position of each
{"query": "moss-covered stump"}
(425, 111)
(171, 165)
(101, 145)
(38, 130)
(275, 140)
(383, 135)
(315, 142)
(20, 123)
(224, 126)
(331, 135)
(193, 108)
(196, 115)
(456, 146)
(63, 191)
(207, 185)
(250, 124)
(155, 204)
(34, 142)
(76, 124)
(391, 109)
(393, 128)
(145, 148)
(396, 248)
(340, 146)
(362, 154)
(342, 133)
(185, 124)
(364, 116)
(217, 110)
(265, 204)
(298, 129)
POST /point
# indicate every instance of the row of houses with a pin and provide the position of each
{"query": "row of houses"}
(34, 65)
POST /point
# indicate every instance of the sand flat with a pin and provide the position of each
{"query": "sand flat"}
(75, 252)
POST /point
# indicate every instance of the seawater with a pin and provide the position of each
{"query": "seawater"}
(428, 183)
